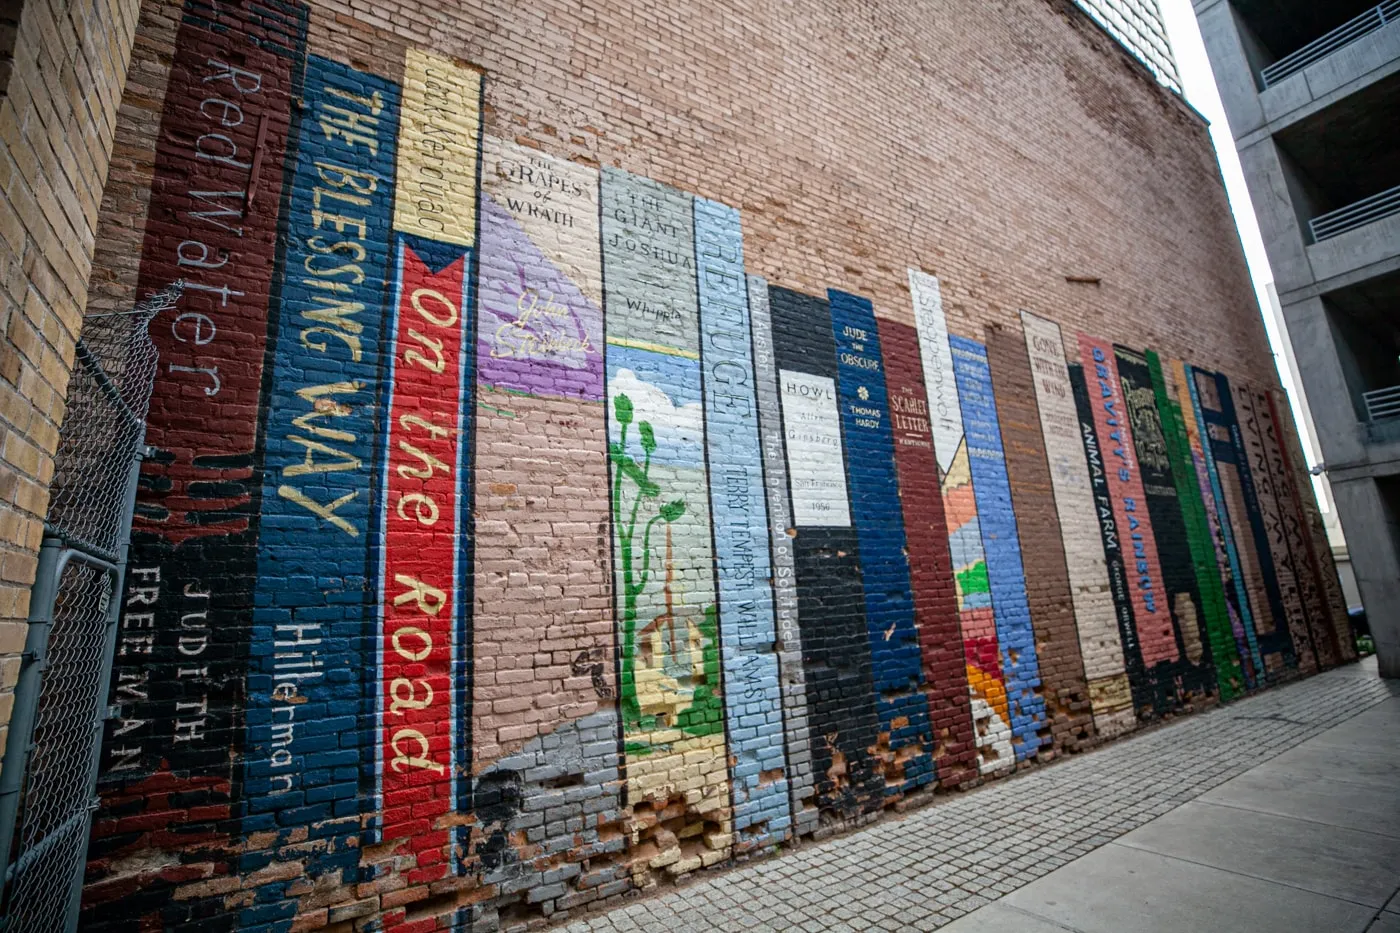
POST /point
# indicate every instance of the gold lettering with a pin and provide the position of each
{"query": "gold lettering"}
(403, 760)
(425, 510)
(430, 462)
(430, 601)
(412, 631)
(336, 314)
(343, 461)
(327, 512)
(403, 692)
(411, 355)
(417, 299)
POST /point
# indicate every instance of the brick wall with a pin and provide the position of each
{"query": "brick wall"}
(1017, 658)
(1183, 665)
(577, 462)
(1209, 574)
(930, 560)
(62, 66)
(1048, 596)
(1098, 603)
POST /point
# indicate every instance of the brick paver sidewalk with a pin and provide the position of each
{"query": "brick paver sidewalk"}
(935, 864)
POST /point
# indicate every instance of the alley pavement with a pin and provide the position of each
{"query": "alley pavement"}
(1280, 812)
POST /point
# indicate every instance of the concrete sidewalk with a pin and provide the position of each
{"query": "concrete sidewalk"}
(1309, 841)
(1277, 813)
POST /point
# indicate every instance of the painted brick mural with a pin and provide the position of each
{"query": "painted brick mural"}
(906, 737)
(1112, 537)
(1320, 633)
(1314, 534)
(747, 626)
(1164, 607)
(1051, 607)
(1274, 621)
(1278, 570)
(1215, 619)
(544, 758)
(173, 757)
(1274, 645)
(670, 691)
(930, 563)
(311, 667)
(842, 720)
(509, 547)
(1001, 543)
(1077, 509)
(985, 683)
(797, 738)
(1227, 552)
(1189, 670)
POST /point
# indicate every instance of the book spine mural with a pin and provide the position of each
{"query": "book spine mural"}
(1315, 534)
(1184, 464)
(1156, 634)
(1096, 616)
(1115, 559)
(797, 737)
(1001, 543)
(424, 747)
(179, 675)
(670, 692)
(1224, 468)
(1289, 512)
(990, 709)
(906, 735)
(505, 549)
(1191, 671)
(1066, 691)
(545, 768)
(739, 511)
(307, 656)
(1270, 614)
(1222, 533)
(841, 713)
(1265, 496)
(930, 564)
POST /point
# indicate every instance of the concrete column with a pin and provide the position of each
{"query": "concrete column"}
(1319, 367)
(1373, 538)
(1273, 199)
(1239, 93)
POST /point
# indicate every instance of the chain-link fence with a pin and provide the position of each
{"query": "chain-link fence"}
(48, 783)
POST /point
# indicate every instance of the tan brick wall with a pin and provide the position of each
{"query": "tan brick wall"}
(57, 121)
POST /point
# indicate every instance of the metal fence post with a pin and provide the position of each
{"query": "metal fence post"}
(114, 611)
(32, 664)
(48, 786)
